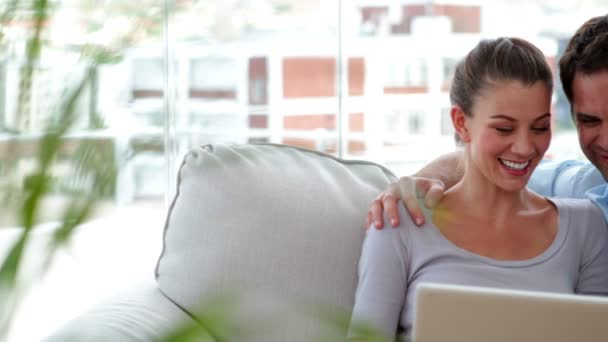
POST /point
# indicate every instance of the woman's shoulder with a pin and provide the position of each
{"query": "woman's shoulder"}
(402, 232)
(576, 205)
(581, 213)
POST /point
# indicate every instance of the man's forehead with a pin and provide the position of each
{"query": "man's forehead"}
(591, 90)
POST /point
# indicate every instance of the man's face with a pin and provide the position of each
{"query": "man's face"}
(590, 110)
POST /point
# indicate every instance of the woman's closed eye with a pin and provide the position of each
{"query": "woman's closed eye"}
(507, 130)
(541, 129)
(504, 130)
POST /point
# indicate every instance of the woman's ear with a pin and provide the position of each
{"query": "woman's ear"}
(459, 119)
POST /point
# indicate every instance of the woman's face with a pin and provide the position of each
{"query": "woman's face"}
(509, 132)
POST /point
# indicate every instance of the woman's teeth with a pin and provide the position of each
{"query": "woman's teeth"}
(514, 165)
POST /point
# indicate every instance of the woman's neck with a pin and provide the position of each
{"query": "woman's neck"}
(488, 200)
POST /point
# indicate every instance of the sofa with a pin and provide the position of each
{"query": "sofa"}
(261, 243)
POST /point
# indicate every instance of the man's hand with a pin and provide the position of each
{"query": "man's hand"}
(409, 190)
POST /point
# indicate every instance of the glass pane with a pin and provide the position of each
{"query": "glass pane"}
(93, 52)
(256, 71)
(81, 145)
(402, 54)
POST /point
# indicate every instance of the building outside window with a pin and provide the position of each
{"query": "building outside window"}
(354, 78)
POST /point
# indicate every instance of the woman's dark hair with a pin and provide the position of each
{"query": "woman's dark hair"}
(496, 60)
(587, 52)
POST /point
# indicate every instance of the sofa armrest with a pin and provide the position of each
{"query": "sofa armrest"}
(142, 313)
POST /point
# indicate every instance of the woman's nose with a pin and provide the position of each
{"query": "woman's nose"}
(523, 145)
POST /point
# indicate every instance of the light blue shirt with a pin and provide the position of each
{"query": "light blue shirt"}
(571, 179)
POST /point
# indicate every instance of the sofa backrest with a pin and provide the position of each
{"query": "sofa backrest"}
(279, 227)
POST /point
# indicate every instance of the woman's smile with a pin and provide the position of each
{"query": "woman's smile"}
(515, 168)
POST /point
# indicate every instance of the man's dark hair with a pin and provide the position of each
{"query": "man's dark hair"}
(586, 53)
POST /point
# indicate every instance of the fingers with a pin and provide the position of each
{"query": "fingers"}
(413, 208)
(376, 213)
(434, 194)
(410, 190)
(390, 208)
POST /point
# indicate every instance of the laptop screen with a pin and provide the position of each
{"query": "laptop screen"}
(457, 313)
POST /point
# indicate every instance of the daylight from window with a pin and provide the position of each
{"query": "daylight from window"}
(357, 79)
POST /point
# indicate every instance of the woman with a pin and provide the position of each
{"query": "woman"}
(489, 229)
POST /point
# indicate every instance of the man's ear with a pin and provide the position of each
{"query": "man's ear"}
(459, 120)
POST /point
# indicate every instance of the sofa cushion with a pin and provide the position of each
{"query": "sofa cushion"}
(279, 226)
(139, 314)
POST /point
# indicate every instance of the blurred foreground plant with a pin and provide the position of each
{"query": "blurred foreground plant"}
(93, 177)
(25, 193)
(225, 318)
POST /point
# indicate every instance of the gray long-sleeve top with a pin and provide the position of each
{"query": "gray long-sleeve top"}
(395, 261)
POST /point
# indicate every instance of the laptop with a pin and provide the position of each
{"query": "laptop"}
(474, 314)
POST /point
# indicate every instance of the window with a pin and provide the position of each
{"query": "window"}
(415, 122)
(449, 66)
(258, 81)
(357, 79)
(213, 78)
(406, 73)
(147, 77)
(447, 128)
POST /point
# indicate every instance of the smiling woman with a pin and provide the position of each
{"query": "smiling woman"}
(489, 229)
(512, 121)
(506, 105)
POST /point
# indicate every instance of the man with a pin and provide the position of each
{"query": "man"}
(584, 76)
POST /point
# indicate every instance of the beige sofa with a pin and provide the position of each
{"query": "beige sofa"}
(265, 236)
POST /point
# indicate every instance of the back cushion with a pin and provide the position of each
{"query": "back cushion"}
(279, 228)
